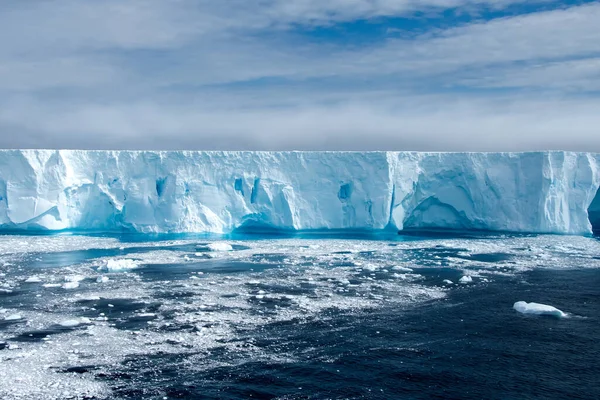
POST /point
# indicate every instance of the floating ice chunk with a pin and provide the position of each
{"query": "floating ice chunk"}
(538, 309)
(70, 285)
(74, 278)
(220, 246)
(120, 264)
(71, 323)
(13, 317)
(449, 282)
(465, 279)
(51, 285)
(102, 279)
(403, 269)
(33, 279)
(146, 315)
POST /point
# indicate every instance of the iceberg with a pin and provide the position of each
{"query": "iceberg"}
(224, 192)
(538, 309)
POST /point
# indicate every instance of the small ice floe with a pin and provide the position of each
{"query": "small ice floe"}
(33, 279)
(102, 279)
(448, 282)
(72, 323)
(403, 269)
(465, 279)
(13, 317)
(74, 278)
(120, 264)
(70, 285)
(89, 298)
(51, 285)
(538, 309)
(220, 246)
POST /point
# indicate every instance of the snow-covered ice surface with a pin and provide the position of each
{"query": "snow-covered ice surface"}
(213, 300)
(183, 191)
(538, 309)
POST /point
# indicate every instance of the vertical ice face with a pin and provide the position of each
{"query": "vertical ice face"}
(193, 191)
(223, 191)
(594, 212)
(521, 192)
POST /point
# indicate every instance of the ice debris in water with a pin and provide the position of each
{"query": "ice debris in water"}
(71, 323)
(102, 279)
(74, 278)
(120, 264)
(71, 285)
(220, 246)
(33, 279)
(13, 317)
(448, 282)
(465, 279)
(538, 309)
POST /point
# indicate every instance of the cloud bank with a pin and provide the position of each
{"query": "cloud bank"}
(447, 75)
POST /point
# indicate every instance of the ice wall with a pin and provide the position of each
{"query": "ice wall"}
(223, 191)
(519, 192)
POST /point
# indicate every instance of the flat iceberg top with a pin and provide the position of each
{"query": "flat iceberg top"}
(220, 192)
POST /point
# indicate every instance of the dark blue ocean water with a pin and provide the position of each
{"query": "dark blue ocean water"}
(470, 344)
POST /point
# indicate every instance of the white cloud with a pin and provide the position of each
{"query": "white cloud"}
(448, 122)
(157, 74)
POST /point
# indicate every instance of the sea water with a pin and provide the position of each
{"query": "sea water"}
(359, 316)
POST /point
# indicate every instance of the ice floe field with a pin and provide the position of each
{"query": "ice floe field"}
(138, 316)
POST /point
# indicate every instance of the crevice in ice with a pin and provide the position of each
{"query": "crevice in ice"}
(2, 191)
(594, 213)
(239, 186)
(160, 186)
(345, 191)
(254, 193)
(390, 223)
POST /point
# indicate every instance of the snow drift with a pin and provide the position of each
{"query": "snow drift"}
(197, 191)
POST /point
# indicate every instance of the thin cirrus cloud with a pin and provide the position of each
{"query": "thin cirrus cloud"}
(270, 74)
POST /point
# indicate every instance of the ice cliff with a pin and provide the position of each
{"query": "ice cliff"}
(196, 191)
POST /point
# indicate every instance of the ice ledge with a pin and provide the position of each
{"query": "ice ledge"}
(219, 192)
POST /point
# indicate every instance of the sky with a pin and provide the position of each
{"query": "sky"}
(426, 75)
